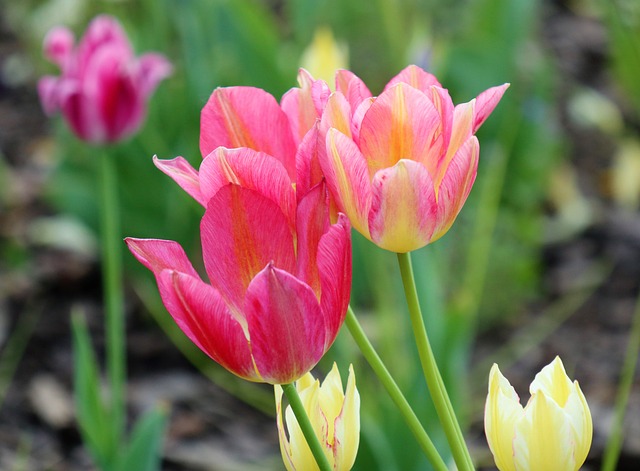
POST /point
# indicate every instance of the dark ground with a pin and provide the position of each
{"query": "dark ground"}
(592, 276)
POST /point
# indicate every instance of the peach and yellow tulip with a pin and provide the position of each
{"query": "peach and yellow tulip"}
(335, 416)
(552, 432)
(402, 164)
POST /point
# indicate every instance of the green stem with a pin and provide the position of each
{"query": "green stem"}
(614, 444)
(394, 391)
(305, 425)
(432, 375)
(112, 290)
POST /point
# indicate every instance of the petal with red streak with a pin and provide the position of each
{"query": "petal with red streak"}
(486, 103)
(202, 314)
(181, 171)
(287, 328)
(334, 267)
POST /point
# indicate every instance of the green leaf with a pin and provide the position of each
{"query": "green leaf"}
(92, 414)
(144, 450)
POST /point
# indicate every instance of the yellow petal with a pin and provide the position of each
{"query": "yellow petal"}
(348, 427)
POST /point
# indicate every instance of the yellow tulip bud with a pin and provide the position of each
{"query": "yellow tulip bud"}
(324, 56)
(335, 416)
(551, 433)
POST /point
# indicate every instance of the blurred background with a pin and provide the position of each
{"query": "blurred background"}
(543, 260)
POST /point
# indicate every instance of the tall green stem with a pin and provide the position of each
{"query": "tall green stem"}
(432, 375)
(305, 425)
(394, 391)
(112, 290)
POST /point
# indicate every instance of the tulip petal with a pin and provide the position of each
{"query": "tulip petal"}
(334, 267)
(347, 426)
(202, 314)
(416, 77)
(553, 381)
(486, 103)
(352, 87)
(48, 93)
(308, 171)
(242, 232)
(158, 255)
(251, 170)
(336, 115)
(460, 134)
(400, 124)
(456, 186)
(312, 223)
(543, 438)
(347, 176)
(578, 413)
(300, 451)
(58, 45)
(152, 69)
(181, 171)
(304, 105)
(285, 447)
(286, 324)
(247, 117)
(502, 411)
(404, 209)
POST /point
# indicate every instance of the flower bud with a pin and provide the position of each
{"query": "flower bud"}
(335, 416)
(551, 433)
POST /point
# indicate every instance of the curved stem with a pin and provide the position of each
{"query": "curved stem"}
(305, 425)
(112, 290)
(432, 375)
(394, 391)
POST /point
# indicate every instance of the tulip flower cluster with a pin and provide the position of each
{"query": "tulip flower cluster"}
(104, 88)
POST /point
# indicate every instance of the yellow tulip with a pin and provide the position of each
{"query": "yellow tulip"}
(335, 416)
(551, 433)
(324, 55)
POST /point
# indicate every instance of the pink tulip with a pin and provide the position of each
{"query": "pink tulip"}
(103, 89)
(401, 165)
(279, 272)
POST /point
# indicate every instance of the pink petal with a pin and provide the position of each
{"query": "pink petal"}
(103, 30)
(456, 185)
(304, 105)
(334, 267)
(311, 223)
(243, 231)
(58, 46)
(158, 255)
(288, 333)
(404, 208)
(486, 103)
(184, 175)
(308, 171)
(48, 92)
(152, 69)
(400, 124)
(248, 169)
(337, 114)
(247, 117)
(415, 77)
(462, 128)
(347, 176)
(202, 314)
(352, 87)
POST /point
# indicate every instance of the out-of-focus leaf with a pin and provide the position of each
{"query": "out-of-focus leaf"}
(145, 444)
(93, 416)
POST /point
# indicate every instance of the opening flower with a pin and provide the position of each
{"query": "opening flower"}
(103, 89)
(335, 416)
(552, 432)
